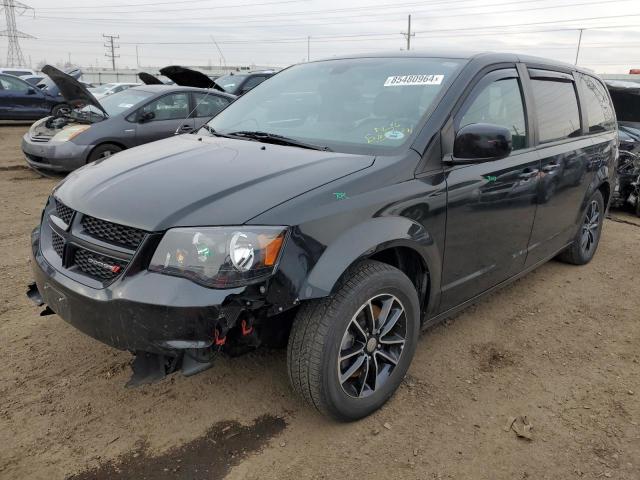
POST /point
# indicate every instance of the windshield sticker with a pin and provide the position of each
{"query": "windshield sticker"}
(395, 131)
(405, 80)
(125, 105)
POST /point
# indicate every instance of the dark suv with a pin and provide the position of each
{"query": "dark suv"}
(344, 204)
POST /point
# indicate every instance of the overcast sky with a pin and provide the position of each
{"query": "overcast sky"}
(274, 32)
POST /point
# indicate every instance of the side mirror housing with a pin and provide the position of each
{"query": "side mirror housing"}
(31, 91)
(146, 116)
(481, 142)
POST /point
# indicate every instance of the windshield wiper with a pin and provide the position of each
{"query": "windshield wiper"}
(277, 139)
(212, 131)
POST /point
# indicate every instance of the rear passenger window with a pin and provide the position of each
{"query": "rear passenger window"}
(557, 109)
(208, 105)
(599, 110)
(499, 103)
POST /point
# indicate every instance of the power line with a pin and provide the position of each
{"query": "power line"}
(111, 49)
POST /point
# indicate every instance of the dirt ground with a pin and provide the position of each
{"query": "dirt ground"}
(560, 346)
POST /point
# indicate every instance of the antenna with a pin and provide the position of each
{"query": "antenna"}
(14, 52)
(224, 60)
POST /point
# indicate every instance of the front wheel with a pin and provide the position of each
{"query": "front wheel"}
(585, 243)
(348, 352)
(103, 151)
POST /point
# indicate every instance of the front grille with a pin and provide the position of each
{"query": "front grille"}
(64, 212)
(58, 243)
(112, 232)
(98, 266)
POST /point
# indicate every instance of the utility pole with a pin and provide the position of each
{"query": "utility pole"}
(408, 33)
(308, 49)
(15, 58)
(111, 49)
(579, 42)
(137, 58)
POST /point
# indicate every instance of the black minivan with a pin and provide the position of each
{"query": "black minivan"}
(341, 206)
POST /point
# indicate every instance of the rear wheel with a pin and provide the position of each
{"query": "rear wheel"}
(103, 151)
(348, 352)
(585, 243)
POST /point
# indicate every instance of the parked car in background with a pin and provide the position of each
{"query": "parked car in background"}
(19, 100)
(241, 83)
(32, 79)
(17, 72)
(343, 197)
(626, 101)
(95, 129)
(107, 89)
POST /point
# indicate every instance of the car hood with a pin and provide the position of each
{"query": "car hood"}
(71, 89)
(149, 79)
(188, 181)
(189, 78)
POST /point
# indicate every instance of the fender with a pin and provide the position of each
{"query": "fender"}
(363, 240)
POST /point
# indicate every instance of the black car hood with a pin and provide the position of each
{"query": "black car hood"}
(149, 79)
(189, 78)
(71, 89)
(184, 181)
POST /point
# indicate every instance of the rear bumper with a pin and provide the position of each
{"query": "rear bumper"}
(146, 311)
(54, 156)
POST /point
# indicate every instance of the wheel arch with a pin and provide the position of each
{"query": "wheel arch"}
(397, 241)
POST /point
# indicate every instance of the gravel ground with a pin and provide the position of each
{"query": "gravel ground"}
(559, 347)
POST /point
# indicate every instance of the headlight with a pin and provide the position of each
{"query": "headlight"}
(70, 132)
(220, 257)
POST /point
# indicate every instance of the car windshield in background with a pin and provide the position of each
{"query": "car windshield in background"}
(230, 82)
(369, 105)
(102, 88)
(121, 101)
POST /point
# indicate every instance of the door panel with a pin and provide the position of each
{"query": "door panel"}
(490, 206)
(567, 171)
(21, 100)
(170, 114)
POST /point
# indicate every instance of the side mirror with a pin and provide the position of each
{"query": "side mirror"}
(146, 116)
(481, 142)
(31, 91)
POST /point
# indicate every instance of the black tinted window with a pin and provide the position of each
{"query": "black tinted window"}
(557, 109)
(252, 82)
(499, 103)
(599, 111)
(208, 105)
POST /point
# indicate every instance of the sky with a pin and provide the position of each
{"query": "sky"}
(282, 32)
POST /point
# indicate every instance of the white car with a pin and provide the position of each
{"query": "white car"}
(17, 71)
(110, 88)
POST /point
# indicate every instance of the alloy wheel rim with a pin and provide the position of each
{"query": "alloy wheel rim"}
(372, 345)
(590, 226)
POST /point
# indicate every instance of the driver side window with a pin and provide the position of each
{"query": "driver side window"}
(13, 85)
(169, 107)
(499, 103)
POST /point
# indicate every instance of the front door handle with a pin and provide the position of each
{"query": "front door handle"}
(528, 174)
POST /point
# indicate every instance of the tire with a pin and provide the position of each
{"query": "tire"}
(585, 243)
(103, 151)
(57, 109)
(324, 329)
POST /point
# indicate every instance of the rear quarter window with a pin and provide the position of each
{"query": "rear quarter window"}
(600, 114)
(557, 109)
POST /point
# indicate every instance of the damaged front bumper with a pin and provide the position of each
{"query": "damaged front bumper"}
(156, 316)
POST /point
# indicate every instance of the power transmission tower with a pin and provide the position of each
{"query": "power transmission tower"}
(111, 53)
(408, 34)
(14, 52)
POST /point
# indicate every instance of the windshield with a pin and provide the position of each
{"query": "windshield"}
(230, 82)
(367, 105)
(121, 101)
